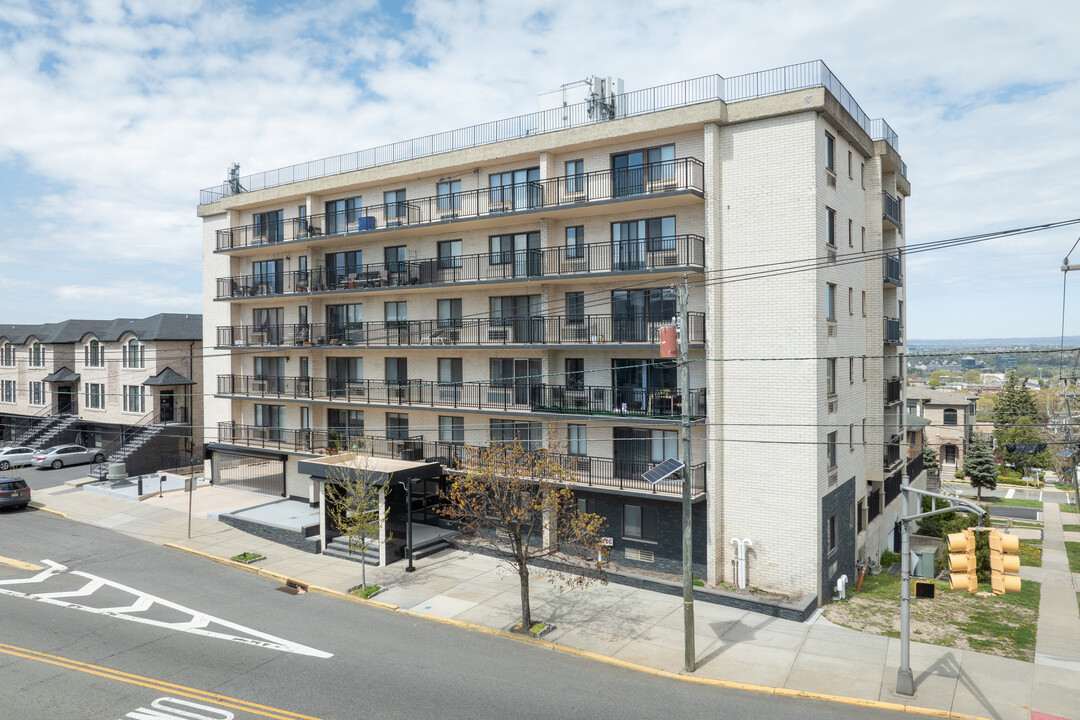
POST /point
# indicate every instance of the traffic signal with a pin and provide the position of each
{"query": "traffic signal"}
(962, 564)
(1004, 563)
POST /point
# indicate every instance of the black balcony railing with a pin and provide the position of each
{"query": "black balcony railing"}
(649, 254)
(586, 471)
(914, 467)
(531, 330)
(511, 396)
(892, 270)
(650, 179)
(890, 209)
(893, 331)
(892, 391)
(892, 454)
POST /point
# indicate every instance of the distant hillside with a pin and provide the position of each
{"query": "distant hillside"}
(1003, 343)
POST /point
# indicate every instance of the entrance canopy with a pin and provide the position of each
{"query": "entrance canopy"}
(63, 375)
(380, 471)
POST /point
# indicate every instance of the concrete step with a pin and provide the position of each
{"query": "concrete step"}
(339, 548)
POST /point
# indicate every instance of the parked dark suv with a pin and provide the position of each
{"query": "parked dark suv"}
(14, 492)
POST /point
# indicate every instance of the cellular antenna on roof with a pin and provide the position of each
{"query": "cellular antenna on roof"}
(235, 188)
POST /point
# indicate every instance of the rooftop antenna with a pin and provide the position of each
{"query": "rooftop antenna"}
(235, 188)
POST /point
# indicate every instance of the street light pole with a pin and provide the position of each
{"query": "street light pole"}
(690, 660)
(407, 484)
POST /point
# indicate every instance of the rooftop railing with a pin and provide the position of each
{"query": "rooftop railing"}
(663, 97)
(671, 252)
(650, 179)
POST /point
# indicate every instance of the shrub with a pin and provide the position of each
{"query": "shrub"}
(959, 474)
(888, 558)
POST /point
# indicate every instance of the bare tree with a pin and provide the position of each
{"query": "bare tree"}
(353, 502)
(517, 502)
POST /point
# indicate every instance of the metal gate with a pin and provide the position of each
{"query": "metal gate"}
(246, 472)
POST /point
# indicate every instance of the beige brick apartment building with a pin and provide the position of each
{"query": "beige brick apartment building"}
(509, 280)
(131, 387)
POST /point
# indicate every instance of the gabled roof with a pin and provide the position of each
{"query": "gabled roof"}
(168, 376)
(938, 397)
(64, 374)
(163, 326)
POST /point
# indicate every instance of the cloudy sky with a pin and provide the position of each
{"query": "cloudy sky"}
(114, 114)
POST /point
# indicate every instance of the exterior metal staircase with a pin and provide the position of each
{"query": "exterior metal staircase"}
(52, 429)
(132, 439)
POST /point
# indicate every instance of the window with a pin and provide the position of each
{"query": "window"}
(340, 214)
(864, 239)
(7, 391)
(849, 165)
(134, 398)
(850, 233)
(830, 376)
(36, 396)
(93, 354)
(301, 216)
(862, 175)
(851, 437)
(395, 205)
(511, 372)
(270, 226)
(575, 373)
(133, 354)
(527, 433)
(630, 239)
(342, 374)
(396, 313)
(639, 523)
(830, 153)
(345, 322)
(37, 356)
(851, 370)
(830, 450)
(576, 440)
(395, 259)
(397, 370)
(95, 395)
(515, 190)
(832, 533)
(450, 371)
(7, 355)
(397, 426)
(864, 369)
(449, 201)
(271, 420)
(575, 308)
(631, 170)
(449, 312)
(340, 265)
(830, 226)
(575, 176)
(449, 254)
(830, 301)
(346, 422)
(575, 241)
(864, 303)
(586, 505)
(950, 416)
(948, 454)
(851, 301)
(664, 444)
(452, 429)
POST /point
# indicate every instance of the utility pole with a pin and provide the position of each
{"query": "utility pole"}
(905, 681)
(687, 471)
(1065, 268)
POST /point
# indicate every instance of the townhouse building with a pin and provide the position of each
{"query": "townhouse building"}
(131, 387)
(509, 281)
(950, 420)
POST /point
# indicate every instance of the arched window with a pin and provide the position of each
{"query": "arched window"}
(948, 454)
(950, 416)
(134, 354)
(37, 358)
(93, 354)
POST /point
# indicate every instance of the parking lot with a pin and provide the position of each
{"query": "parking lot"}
(40, 478)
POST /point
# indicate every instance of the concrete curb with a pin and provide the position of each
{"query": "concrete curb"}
(728, 684)
(42, 508)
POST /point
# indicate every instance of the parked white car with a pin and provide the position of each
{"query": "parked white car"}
(15, 456)
(60, 456)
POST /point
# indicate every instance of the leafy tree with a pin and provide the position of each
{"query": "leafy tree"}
(979, 466)
(516, 502)
(1024, 431)
(353, 502)
(984, 408)
(929, 457)
(1014, 402)
(973, 377)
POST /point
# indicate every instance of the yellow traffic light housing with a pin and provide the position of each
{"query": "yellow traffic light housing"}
(1004, 563)
(962, 564)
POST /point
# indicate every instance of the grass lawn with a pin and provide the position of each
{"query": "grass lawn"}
(1013, 502)
(1069, 528)
(1031, 553)
(1022, 524)
(1067, 508)
(1072, 549)
(997, 625)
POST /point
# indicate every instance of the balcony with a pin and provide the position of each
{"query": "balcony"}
(679, 175)
(893, 332)
(891, 459)
(479, 332)
(678, 252)
(587, 471)
(893, 389)
(511, 396)
(890, 210)
(892, 270)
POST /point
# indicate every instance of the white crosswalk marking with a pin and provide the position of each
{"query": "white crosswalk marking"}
(198, 624)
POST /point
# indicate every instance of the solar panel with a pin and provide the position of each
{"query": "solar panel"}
(663, 471)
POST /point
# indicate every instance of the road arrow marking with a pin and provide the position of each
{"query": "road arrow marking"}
(197, 624)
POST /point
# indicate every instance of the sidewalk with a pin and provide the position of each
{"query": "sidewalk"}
(645, 628)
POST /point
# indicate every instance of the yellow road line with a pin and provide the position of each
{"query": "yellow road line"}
(153, 684)
(19, 564)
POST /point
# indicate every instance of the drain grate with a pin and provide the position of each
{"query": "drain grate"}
(292, 587)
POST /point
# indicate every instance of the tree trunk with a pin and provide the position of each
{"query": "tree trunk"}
(526, 610)
(978, 493)
(363, 572)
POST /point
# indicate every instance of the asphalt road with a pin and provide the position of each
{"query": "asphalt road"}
(328, 658)
(41, 478)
